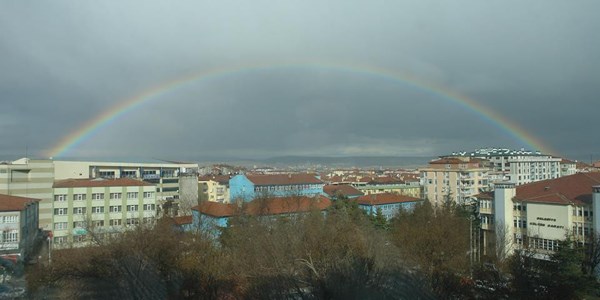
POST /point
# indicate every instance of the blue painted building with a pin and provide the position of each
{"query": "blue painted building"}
(211, 217)
(248, 187)
(390, 204)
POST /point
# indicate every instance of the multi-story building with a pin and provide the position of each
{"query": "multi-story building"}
(99, 206)
(30, 178)
(567, 167)
(388, 203)
(214, 188)
(540, 214)
(164, 175)
(248, 187)
(19, 225)
(454, 178)
(518, 166)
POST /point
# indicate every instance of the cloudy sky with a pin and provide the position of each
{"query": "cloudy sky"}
(63, 63)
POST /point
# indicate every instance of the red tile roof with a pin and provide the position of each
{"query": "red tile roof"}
(485, 195)
(270, 206)
(385, 198)
(99, 182)
(342, 189)
(284, 179)
(14, 203)
(574, 189)
(448, 160)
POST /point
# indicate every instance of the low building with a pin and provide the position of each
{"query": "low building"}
(342, 191)
(19, 225)
(389, 204)
(248, 187)
(540, 214)
(213, 216)
(104, 205)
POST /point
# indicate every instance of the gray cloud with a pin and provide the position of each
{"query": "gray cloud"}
(535, 62)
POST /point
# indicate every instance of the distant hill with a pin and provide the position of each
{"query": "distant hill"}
(351, 161)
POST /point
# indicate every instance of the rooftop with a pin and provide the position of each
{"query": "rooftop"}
(14, 203)
(574, 189)
(284, 179)
(343, 190)
(270, 206)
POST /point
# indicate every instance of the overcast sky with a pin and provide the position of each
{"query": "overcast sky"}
(64, 62)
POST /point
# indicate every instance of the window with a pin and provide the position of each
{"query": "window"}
(60, 240)
(61, 197)
(79, 224)
(129, 174)
(97, 196)
(79, 238)
(132, 207)
(132, 221)
(98, 209)
(10, 236)
(116, 222)
(148, 195)
(10, 219)
(114, 196)
(98, 223)
(79, 210)
(107, 174)
(132, 195)
(60, 211)
(115, 209)
(60, 225)
(78, 197)
(149, 207)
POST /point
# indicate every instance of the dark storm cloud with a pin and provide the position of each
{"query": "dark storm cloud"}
(535, 62)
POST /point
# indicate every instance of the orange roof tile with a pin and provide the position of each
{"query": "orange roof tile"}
(99, 182)
(14, 203)
(270, 206)
(183, 220)
(385, 198)
(574, 189)
(342, 189)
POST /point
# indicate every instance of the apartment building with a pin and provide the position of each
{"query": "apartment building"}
(215, 188)
(379, 185)
(542, 213)
(88, 208)
(248, 187)
(30, 178)
(518, 166)
(19, 225)
(454, 178)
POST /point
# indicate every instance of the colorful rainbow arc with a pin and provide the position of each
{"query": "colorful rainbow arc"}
(110, 116)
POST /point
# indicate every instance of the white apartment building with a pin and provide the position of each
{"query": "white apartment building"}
(88, 208)
(458, 178)
(518, 166)
(542, 213)
(30, 178)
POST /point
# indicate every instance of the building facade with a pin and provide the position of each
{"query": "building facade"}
(455, 179)
(518, 166)
(248, 187)
(19, 225)
(540, 214)
(215, 188)
(30, 178)
(85, 208)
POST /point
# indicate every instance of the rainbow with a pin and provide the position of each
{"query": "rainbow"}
(114, 113)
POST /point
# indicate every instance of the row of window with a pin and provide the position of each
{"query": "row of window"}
(294, 187)
(10, 236)
(100, 196)
(100, 209)
(9, 219)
